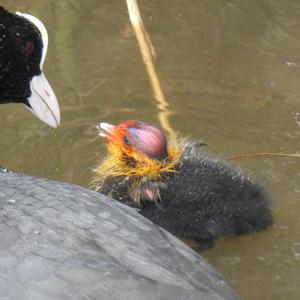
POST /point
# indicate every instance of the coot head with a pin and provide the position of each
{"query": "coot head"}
(23, 47)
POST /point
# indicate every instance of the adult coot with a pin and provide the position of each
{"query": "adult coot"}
(23, 47)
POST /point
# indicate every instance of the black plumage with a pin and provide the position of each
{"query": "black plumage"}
(20, 54)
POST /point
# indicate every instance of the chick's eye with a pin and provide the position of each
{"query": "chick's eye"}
(126, 141)
(28, 49)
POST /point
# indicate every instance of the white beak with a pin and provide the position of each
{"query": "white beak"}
(43, 102)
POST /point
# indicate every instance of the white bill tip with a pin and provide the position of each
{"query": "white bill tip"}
(43, 102)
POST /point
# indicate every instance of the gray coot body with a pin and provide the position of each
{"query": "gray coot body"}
(60, 241)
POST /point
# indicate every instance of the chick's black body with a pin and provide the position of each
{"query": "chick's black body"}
(205, 199)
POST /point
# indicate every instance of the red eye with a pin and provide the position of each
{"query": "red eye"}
(28, 49)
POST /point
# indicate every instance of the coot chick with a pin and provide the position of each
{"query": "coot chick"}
(23, 47)
(179, 186)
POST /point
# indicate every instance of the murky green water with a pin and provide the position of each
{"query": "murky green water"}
(230, 70)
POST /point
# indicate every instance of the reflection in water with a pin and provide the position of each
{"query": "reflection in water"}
(231, 72)
(149, 55)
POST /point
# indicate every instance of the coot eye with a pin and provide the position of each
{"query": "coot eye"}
(126, 141)
(28, 49)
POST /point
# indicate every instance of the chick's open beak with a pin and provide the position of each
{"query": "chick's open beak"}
(43, 102)
(106, 130)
